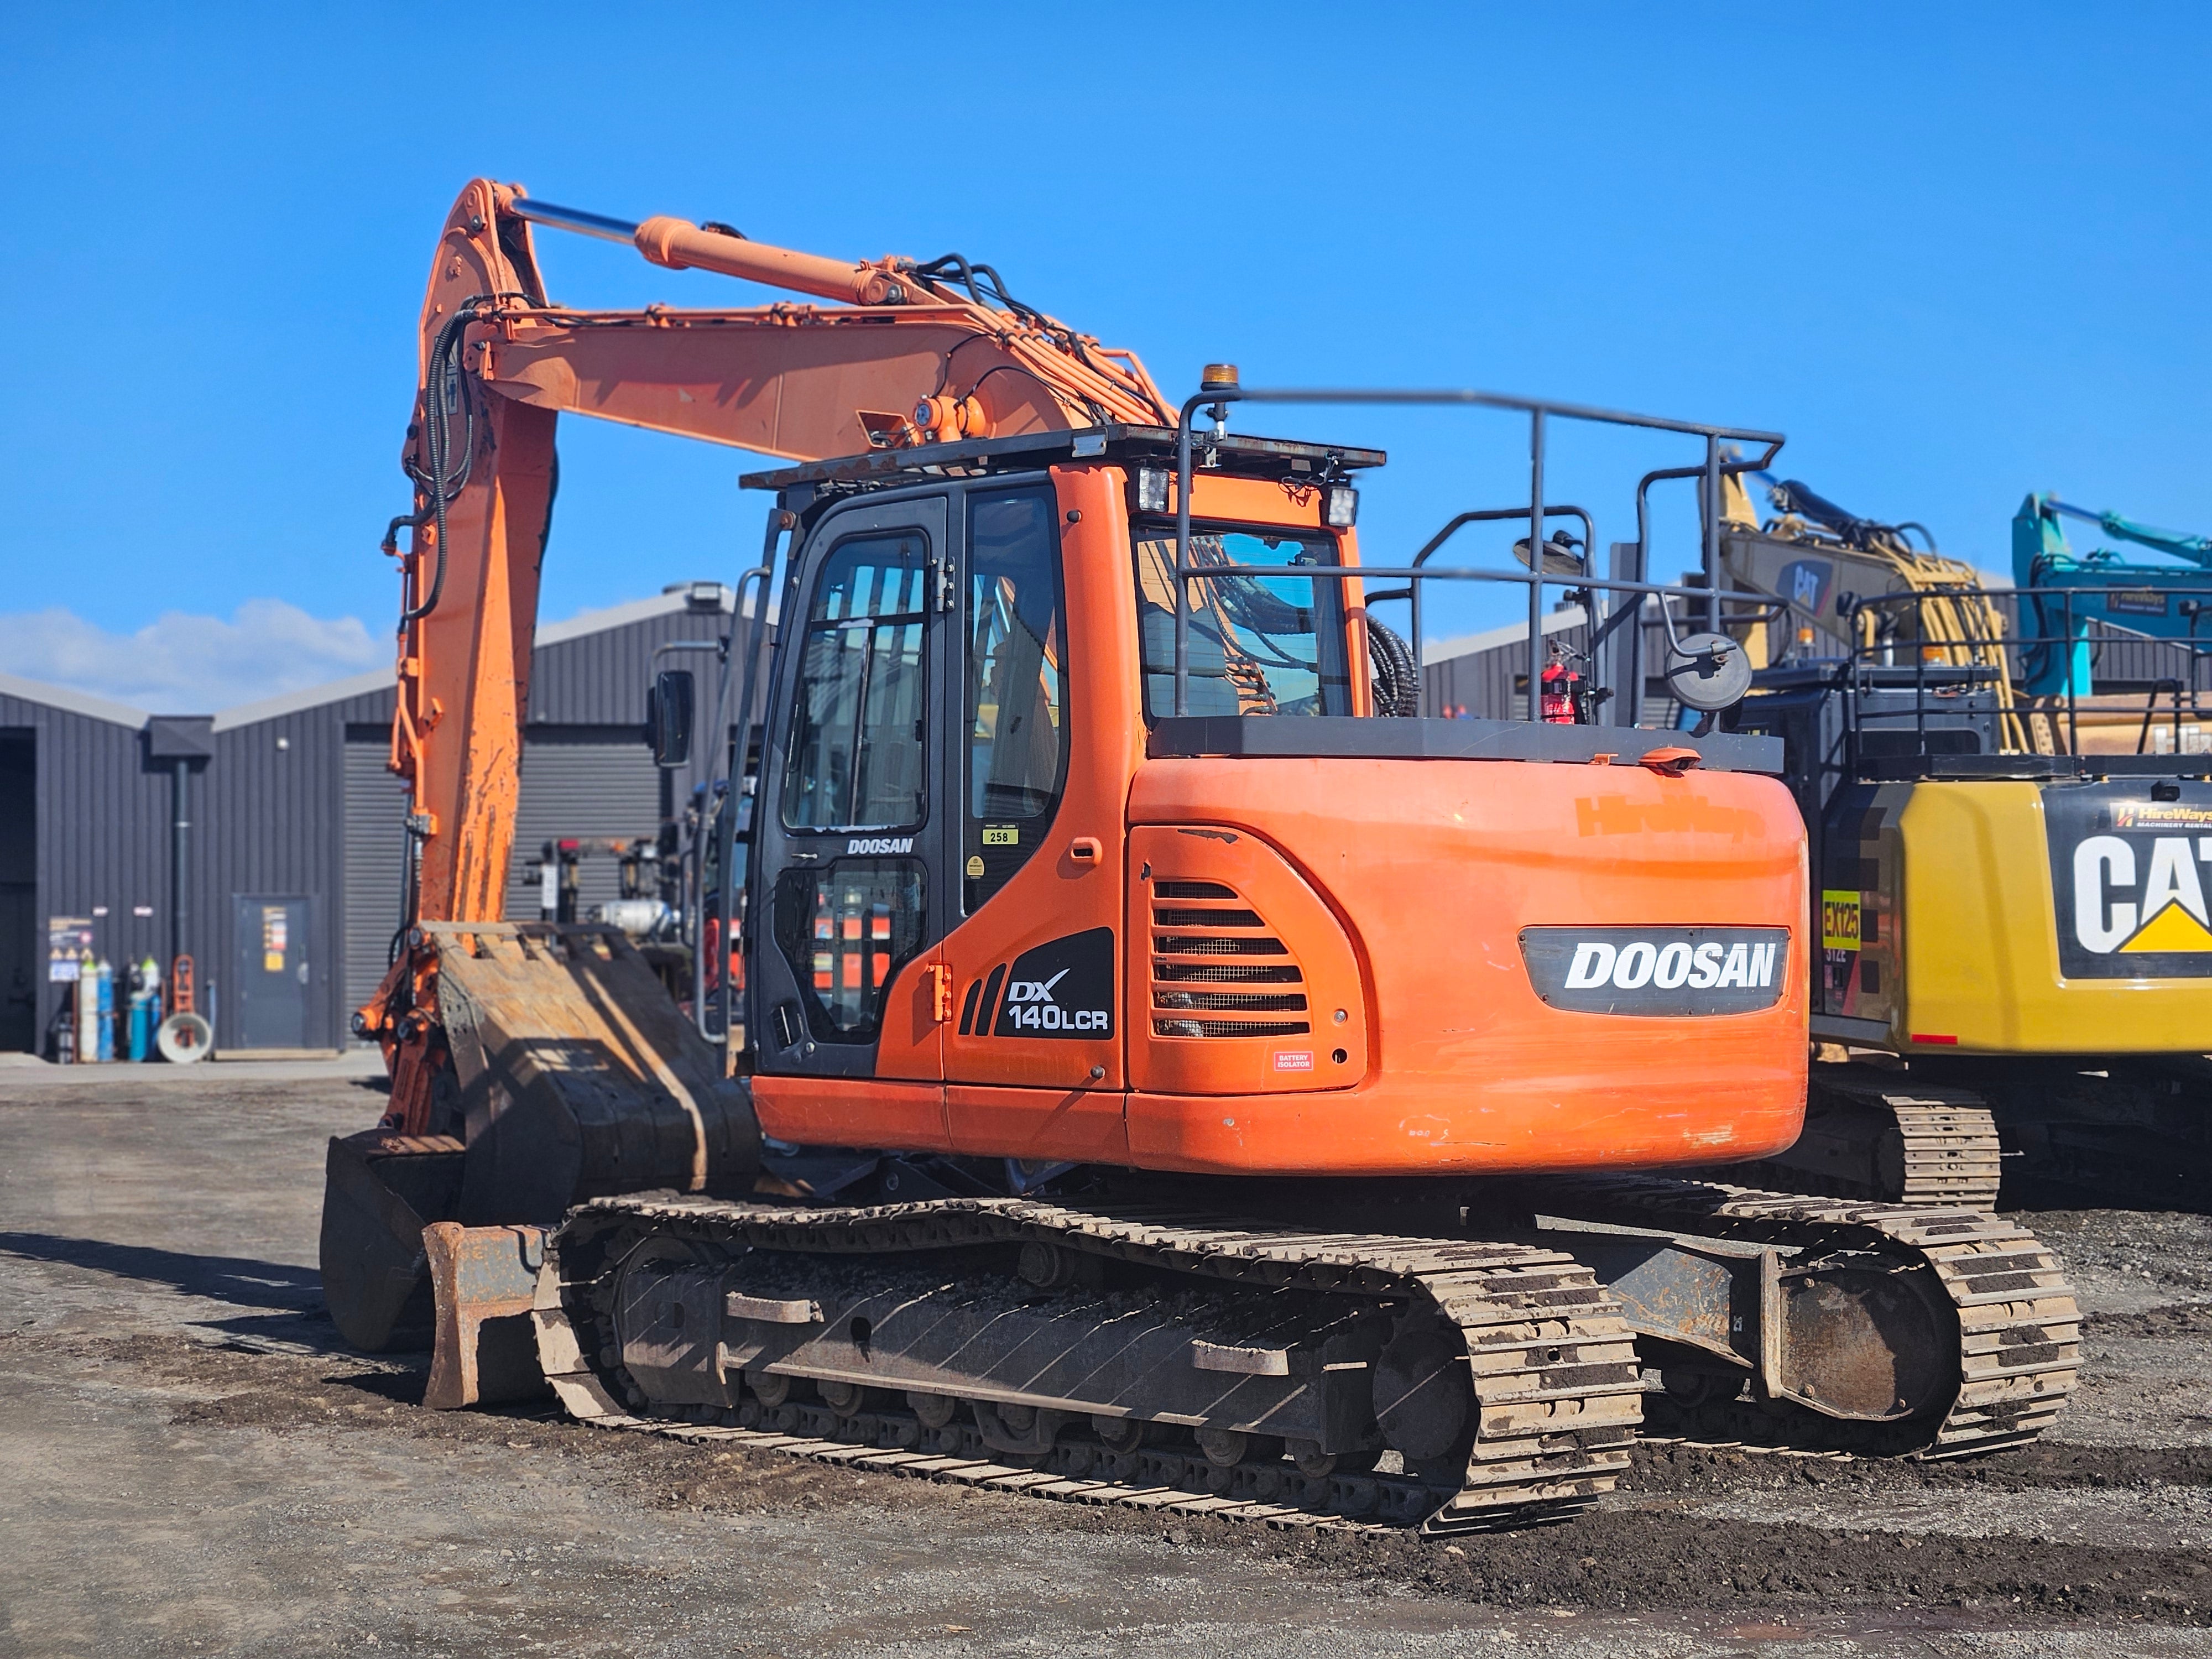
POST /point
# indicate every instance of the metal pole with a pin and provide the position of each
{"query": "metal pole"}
(1536, 564)
(1182, 584)
(1712, 528)
(745, 662)
(180, 837)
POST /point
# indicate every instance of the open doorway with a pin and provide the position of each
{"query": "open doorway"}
(20, 957)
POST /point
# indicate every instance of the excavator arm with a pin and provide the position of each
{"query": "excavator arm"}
(905, 360)
(532, 1067)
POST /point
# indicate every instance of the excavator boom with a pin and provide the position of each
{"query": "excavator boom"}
(903, 360)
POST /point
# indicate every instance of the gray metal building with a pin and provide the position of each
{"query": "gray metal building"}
(293, 856)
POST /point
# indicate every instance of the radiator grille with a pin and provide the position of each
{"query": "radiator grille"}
(1180, 945)
(1294, 1004)
(1229, 929)
(1227, 1027)
(1224, 973)
(1165, 916)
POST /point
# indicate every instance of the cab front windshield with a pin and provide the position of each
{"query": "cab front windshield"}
(1261, 640)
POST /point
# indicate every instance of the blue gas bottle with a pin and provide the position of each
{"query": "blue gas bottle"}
(105, 1006)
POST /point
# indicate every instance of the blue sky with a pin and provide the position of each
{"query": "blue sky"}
(1955, 252)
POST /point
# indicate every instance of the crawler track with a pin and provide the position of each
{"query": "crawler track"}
(1551, 1363)
(2019, 1329)
(1892, 1140)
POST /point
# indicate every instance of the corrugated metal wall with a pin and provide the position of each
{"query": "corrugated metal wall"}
(269, 813)
(101, 843)
(1489, 682)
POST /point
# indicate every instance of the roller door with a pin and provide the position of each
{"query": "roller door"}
(581, 781)
(375, 844)
(576, 781)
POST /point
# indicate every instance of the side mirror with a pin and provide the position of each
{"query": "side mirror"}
(668, 717)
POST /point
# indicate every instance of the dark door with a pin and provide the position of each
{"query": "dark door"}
(852, 881)
(21, 962)
(272, 967)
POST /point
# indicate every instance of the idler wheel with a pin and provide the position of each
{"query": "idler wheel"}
(1867, 1343)
(1423, 1395)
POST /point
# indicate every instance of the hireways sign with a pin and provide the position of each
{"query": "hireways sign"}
(2129, 879)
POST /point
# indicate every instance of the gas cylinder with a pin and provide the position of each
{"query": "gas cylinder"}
(107, 1009)
(88, 1010)
(137, 1028)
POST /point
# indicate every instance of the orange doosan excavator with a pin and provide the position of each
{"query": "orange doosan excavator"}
(1150, 1061)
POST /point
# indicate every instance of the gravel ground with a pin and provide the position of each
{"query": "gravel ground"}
(192, 1465)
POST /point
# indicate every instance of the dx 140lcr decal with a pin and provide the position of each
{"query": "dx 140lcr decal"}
(1062, 988)
(2130, 877)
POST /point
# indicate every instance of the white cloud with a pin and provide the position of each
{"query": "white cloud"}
(185, 664)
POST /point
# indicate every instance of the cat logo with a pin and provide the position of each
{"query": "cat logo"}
(1805, 583)
(2163, 909)
(2130, 884)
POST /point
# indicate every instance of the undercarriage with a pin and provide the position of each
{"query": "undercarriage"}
(1116, 1350)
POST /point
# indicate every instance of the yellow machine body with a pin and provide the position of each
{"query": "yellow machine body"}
(2016, 917)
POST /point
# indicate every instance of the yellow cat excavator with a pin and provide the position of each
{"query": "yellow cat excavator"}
(1154, 1068)
(2010, 899)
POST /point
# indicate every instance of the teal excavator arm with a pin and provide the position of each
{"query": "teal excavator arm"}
(2160, 600)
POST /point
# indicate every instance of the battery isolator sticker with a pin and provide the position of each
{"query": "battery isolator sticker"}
(2129, 879)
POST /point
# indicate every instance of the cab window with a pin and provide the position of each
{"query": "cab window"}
(1015, 644)
(1262, 639)
(855, 757)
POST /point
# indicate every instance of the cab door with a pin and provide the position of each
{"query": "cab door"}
(853, 886)
(1033, 1057)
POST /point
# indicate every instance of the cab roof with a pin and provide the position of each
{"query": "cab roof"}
(1233, 454)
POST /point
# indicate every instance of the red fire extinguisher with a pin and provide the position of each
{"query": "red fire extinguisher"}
(1561, 686)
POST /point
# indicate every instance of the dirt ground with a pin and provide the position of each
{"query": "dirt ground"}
(189, 1464)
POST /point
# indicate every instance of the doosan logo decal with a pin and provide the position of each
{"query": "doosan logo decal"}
(1658, 972)
(878, 844)
(1644, 962)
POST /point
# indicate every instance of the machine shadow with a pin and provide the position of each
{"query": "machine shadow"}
(275, 1301)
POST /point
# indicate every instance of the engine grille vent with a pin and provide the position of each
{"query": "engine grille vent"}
(1294, 1004)
(1225, 973)
(1226, 1027)
(1165, 916)
(1240, 935)
(1186, 945)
